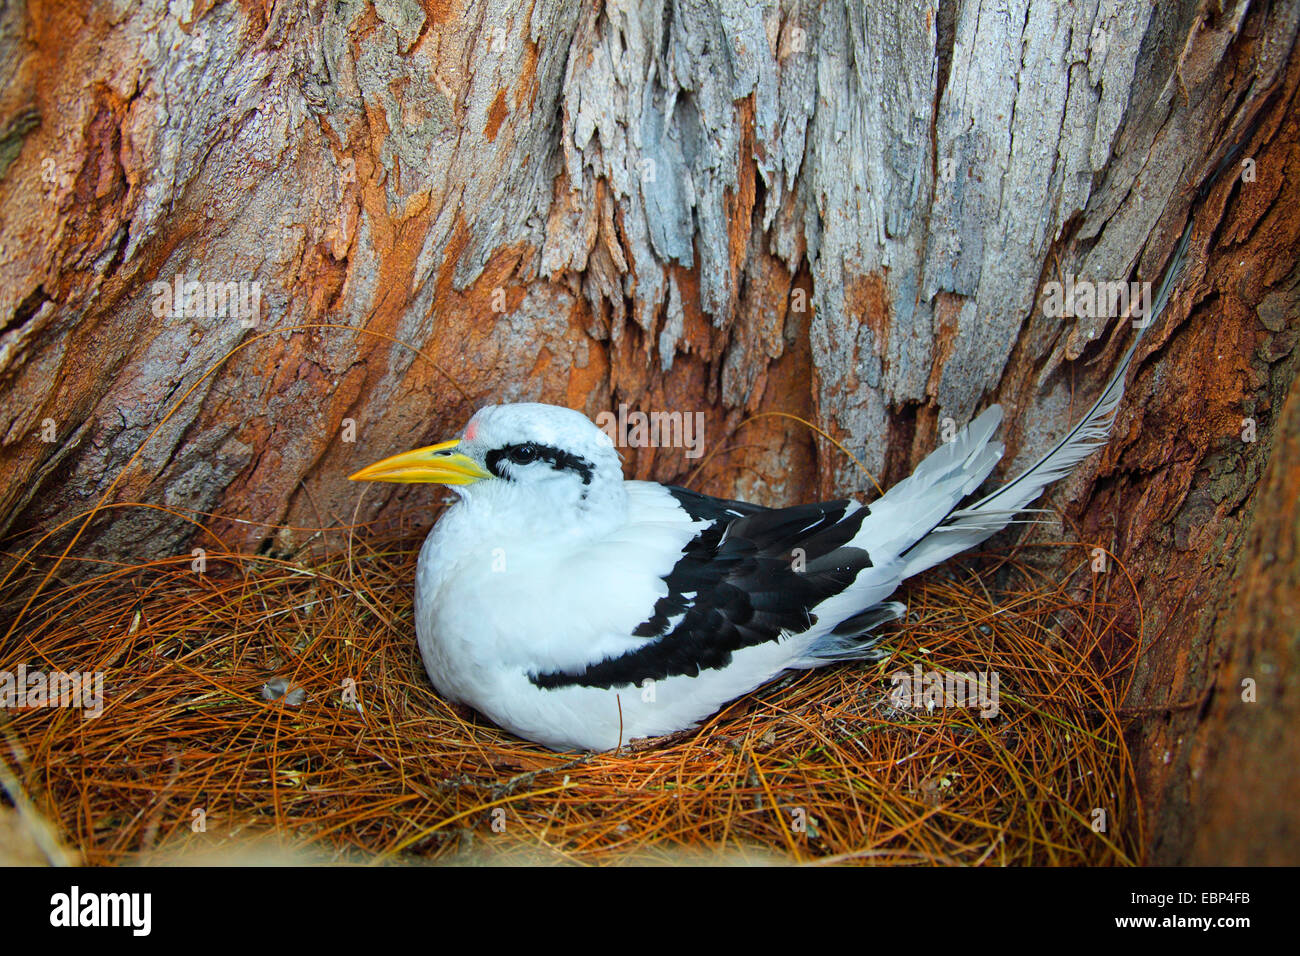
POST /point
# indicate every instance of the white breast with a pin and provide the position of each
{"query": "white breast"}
(495, 605)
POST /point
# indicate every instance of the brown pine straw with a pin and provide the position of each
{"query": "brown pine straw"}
(817, 768)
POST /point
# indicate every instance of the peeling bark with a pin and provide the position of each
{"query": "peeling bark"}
(843, 211)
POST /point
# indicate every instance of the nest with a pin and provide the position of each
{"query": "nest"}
(277, 699)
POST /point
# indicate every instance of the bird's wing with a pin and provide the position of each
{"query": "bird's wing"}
(749, 576)
(708, 508)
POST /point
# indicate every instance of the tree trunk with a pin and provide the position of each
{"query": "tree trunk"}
(850, 211)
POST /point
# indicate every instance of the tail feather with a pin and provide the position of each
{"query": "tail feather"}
(854, 638)
(964, 528)
(917, 524)
(911, 508)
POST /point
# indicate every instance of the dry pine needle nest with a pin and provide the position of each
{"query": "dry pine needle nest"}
(282, 703)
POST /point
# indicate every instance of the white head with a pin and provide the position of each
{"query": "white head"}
(540, 464)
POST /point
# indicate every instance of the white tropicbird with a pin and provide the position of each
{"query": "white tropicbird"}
(581, 610)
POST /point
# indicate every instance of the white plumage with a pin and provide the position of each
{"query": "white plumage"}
(581, 610)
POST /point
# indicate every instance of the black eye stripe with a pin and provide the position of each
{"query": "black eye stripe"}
(557, 458)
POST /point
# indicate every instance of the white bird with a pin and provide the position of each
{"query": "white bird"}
(582, 610)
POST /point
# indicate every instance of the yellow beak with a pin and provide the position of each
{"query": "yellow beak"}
(434, 463)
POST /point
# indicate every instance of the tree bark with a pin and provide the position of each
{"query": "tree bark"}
(845, 211)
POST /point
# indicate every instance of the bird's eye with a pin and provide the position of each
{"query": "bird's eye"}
(523, 454)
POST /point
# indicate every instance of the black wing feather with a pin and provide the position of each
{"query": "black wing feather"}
(735, 585)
